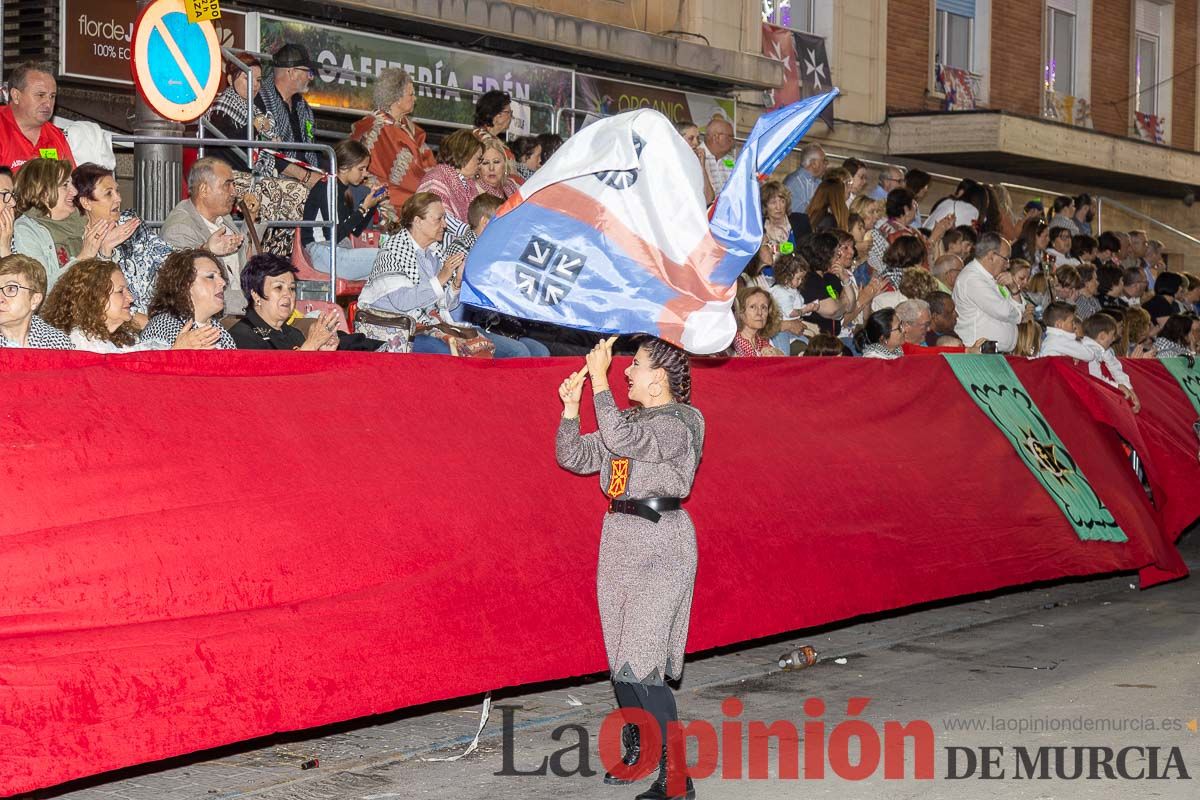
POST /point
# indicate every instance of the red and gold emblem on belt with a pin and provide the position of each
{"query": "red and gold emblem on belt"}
(618, 478)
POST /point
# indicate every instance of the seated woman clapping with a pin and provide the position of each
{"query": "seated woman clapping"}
(50, 227)
(22, 288)
(413, 277)
(141, 252)
(189, 294)
(93, 304)
(269, 283)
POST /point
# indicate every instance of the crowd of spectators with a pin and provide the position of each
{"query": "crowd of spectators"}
(848, 264)
(973, 274)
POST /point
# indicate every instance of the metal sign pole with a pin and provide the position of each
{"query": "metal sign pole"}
(157, 168)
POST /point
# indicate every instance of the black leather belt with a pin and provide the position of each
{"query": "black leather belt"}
(648, 508)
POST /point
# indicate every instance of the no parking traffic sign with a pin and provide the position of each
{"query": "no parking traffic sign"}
(176, 63)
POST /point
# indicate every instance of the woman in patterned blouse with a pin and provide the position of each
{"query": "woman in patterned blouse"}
(22, 288)
(758, 320)
(189, 295)
(139, 256)
(453, 179)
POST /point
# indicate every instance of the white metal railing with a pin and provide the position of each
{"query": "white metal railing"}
(330, 187)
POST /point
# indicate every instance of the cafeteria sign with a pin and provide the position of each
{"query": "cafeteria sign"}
(338, 49)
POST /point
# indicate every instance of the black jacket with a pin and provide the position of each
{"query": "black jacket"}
(252, 333)
(350, 219)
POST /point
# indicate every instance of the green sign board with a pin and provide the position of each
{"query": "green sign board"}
(349, 60)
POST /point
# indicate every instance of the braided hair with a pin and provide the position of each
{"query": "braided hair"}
(674, 362)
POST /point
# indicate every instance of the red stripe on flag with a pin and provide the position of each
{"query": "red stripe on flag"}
(512, 202)
(688, 278)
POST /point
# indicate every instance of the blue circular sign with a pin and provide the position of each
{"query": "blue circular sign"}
(176, 63)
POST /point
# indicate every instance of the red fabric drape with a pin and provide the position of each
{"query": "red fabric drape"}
(201, 548)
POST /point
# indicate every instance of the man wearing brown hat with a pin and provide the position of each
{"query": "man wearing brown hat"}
(282, 100)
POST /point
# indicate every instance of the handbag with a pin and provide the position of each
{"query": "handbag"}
(386, 326)
(463, 340)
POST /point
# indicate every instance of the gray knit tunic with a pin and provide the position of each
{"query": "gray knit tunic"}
(646, 570)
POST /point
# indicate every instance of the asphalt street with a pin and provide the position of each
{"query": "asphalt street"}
(1093, 670)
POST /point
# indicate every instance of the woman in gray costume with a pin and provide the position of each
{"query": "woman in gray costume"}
(647, 458)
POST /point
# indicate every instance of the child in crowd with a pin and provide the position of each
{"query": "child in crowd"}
(481, 212)
(1099, 331)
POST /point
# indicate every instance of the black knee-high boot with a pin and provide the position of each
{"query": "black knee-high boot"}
(660, 702)
(627, 697)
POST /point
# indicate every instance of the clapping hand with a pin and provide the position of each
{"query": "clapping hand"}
(944, 224)
(6, 231)
(456, 262)
(322, 331)
(93, 237)
(192, 338)
(118, 234)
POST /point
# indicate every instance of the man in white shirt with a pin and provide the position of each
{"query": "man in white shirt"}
(719, 156)
(803, 182)
(986, 310)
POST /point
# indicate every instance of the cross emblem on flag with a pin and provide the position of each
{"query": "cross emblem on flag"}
(623, 178)
(546, 272)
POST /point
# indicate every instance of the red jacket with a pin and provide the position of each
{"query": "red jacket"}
(15, 149)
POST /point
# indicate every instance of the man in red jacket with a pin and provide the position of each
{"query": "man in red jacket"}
(26, 131)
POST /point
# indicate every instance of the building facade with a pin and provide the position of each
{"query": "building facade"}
(1049, 96)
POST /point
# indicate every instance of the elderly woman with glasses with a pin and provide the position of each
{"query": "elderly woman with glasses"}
(399, 155)
(22, 289)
